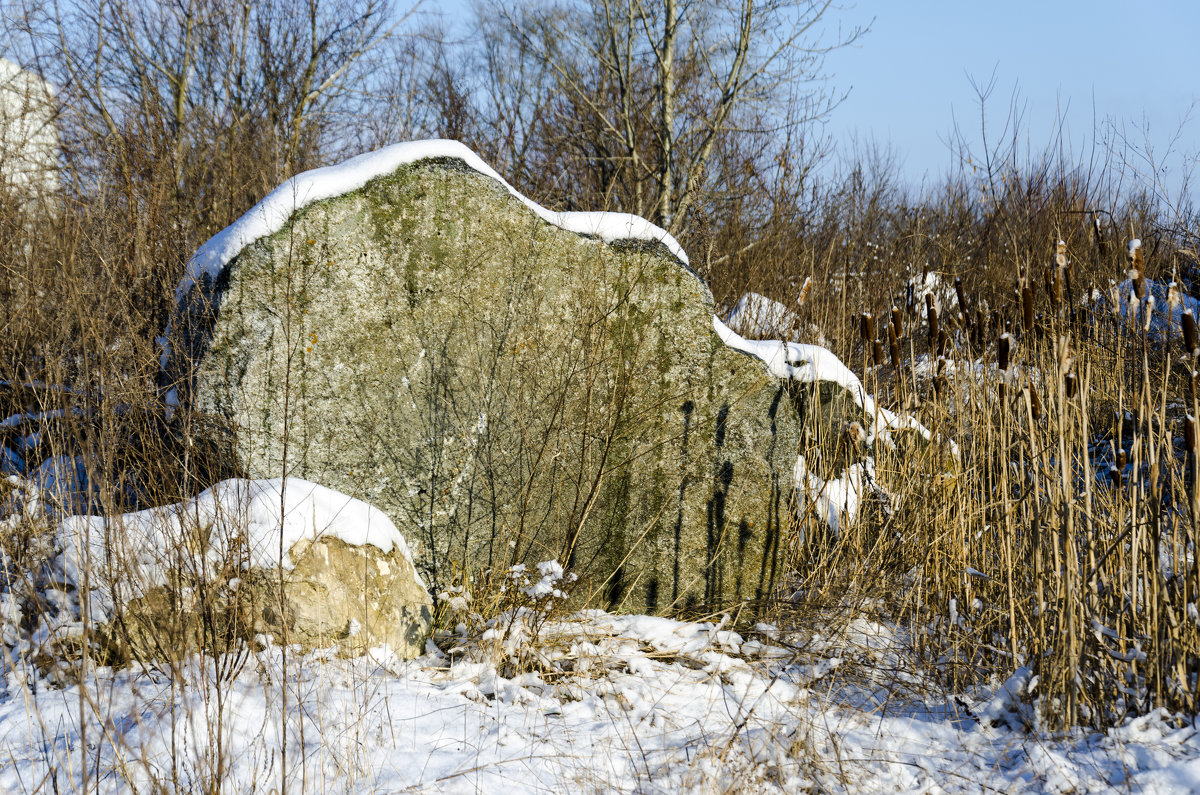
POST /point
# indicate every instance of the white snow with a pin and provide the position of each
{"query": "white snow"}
(28, 130)
(614, 704)
(270, 214)
(835, 501)
(812, 364)
(269, 516)
(931, 284)
(1160, 314)
(756, 315)
(64, 479)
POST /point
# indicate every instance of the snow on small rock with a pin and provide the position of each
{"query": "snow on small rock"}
(756, 315)
(269, 516)
(836, 501)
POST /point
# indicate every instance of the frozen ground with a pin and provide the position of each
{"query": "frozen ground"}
(630, 703)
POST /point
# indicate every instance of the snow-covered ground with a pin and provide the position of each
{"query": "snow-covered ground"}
(616, 703)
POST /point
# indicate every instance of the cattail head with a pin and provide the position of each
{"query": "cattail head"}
(867, 327)
(1060, 254)
(877, 352)
(1066, 355)
(933, 325)
(1027, 309)
(1139, 286)
(804, 288)
(1003, 351)
(1137, 270)
(1189, 334)
(961, 295)
(943, 339)
(1070, 385)
(1035, 405)
(897, 323)
(1134, 253)
(1189, 433)
(1098, 236)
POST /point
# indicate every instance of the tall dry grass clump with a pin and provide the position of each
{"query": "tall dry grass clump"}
(1062, 536)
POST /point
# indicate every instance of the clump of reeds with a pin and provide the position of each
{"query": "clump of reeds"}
(1063, 536)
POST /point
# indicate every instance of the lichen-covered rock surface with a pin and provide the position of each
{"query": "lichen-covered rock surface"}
(503, 389)
(338, 596)
(356, 597)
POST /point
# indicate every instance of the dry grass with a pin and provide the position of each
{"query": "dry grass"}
(1027, 552)
(1064, 538)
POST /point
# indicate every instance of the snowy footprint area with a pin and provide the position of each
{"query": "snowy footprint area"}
(618, 703)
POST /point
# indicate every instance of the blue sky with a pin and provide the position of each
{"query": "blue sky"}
(1115, 71)
(1129, 67)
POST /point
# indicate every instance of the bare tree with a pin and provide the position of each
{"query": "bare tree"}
(176, 117)
(644, 93)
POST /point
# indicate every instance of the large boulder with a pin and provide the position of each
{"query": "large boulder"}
(508, 384)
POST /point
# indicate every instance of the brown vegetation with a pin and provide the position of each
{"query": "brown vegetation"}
(1064, 538)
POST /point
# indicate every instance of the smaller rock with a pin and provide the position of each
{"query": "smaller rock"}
(356, 597)
(285, 558)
